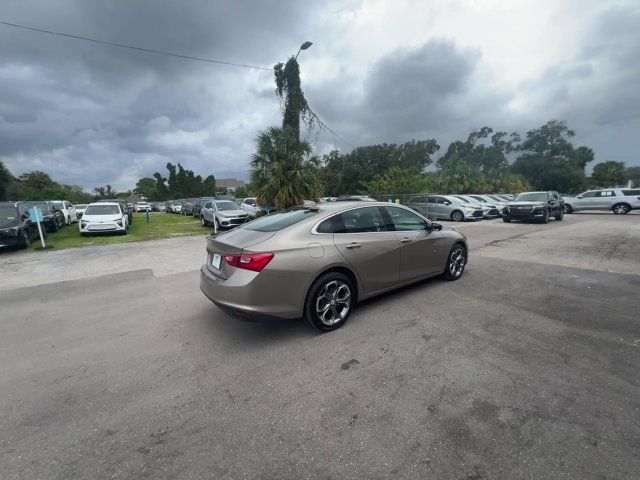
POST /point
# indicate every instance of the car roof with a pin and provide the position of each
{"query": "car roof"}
(104, 203)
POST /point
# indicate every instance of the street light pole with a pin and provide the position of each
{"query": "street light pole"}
(304, 46)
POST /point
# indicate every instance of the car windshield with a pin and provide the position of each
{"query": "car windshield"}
(8, 214)
(278, 221)
(531, 197)
(60, 205)
(228, 206)
(102, 210)
(463, 199)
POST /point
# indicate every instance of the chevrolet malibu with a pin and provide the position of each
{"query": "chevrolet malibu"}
(316, 262)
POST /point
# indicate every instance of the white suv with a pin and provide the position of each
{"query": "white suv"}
(619, 200)
(250, 205)
(68, 210)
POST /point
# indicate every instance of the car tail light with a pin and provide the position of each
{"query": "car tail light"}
(249, 261)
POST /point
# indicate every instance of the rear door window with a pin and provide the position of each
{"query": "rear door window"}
(334, 224)
(361, 220)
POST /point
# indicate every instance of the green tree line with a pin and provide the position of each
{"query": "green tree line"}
(179, 183)
(545, 159)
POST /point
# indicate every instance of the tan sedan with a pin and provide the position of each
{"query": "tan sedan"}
(317, 262)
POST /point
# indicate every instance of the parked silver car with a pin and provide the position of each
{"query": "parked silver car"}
(444, 207)
(222, 214)
(316, 262)
(618, 200)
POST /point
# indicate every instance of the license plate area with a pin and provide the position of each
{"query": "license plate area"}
(216, 260)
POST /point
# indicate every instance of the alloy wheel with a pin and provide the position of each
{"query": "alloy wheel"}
(457, 216)
(621, 209)
(457, 261)
(333, 302)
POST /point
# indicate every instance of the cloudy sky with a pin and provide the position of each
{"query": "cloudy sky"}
(379, 71)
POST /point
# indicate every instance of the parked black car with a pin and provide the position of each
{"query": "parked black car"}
(52, 216)
(538, 206)
(187, 206)
(127, 208)
(197, 205)
(16, 229)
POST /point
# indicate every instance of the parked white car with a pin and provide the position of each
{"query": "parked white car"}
(104, 217)
(619, 200)
(67, 210)
(250, 206)
(80, 208)
(142, 207)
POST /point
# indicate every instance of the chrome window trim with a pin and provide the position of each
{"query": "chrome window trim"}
(377, 205)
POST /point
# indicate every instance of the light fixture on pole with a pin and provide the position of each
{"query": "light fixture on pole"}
(304, 46)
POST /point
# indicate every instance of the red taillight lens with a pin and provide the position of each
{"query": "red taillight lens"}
(249, 261)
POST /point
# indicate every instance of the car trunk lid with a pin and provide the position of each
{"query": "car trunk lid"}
(231, 243)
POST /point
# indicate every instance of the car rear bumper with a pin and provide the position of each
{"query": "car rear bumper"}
(249, 295)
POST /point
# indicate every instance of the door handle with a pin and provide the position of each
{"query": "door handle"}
(405, 240)
(353, 245)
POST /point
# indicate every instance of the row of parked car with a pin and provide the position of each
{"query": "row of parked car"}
(525, 205)
(104, 216)
(223, 211)
(17, 229)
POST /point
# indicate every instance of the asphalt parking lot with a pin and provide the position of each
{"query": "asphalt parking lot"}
(526, 368)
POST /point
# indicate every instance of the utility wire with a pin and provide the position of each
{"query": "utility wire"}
(160, 52)
(131, 47)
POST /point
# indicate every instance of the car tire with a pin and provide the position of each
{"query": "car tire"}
(331, 293)
(456, 262)
(457, 216)
(203, 221)
(55, 227)
(506, 219)
(545, 217)
(26, 241)
(560, 216)
(621, 208)
(568, 208)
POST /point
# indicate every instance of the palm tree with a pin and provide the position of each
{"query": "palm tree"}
(284, 169)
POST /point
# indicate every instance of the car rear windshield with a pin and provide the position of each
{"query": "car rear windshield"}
(531, 197)
(8, 214)
(102, 210)
(630, 193)
(45, 207)
(278, 221)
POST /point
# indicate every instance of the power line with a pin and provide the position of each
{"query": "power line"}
(131, 47)
(160, 52)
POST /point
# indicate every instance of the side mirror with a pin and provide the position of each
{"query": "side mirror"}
(436, 226)
(579, 196)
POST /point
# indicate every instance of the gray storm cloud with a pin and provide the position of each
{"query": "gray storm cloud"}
(91, 115)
